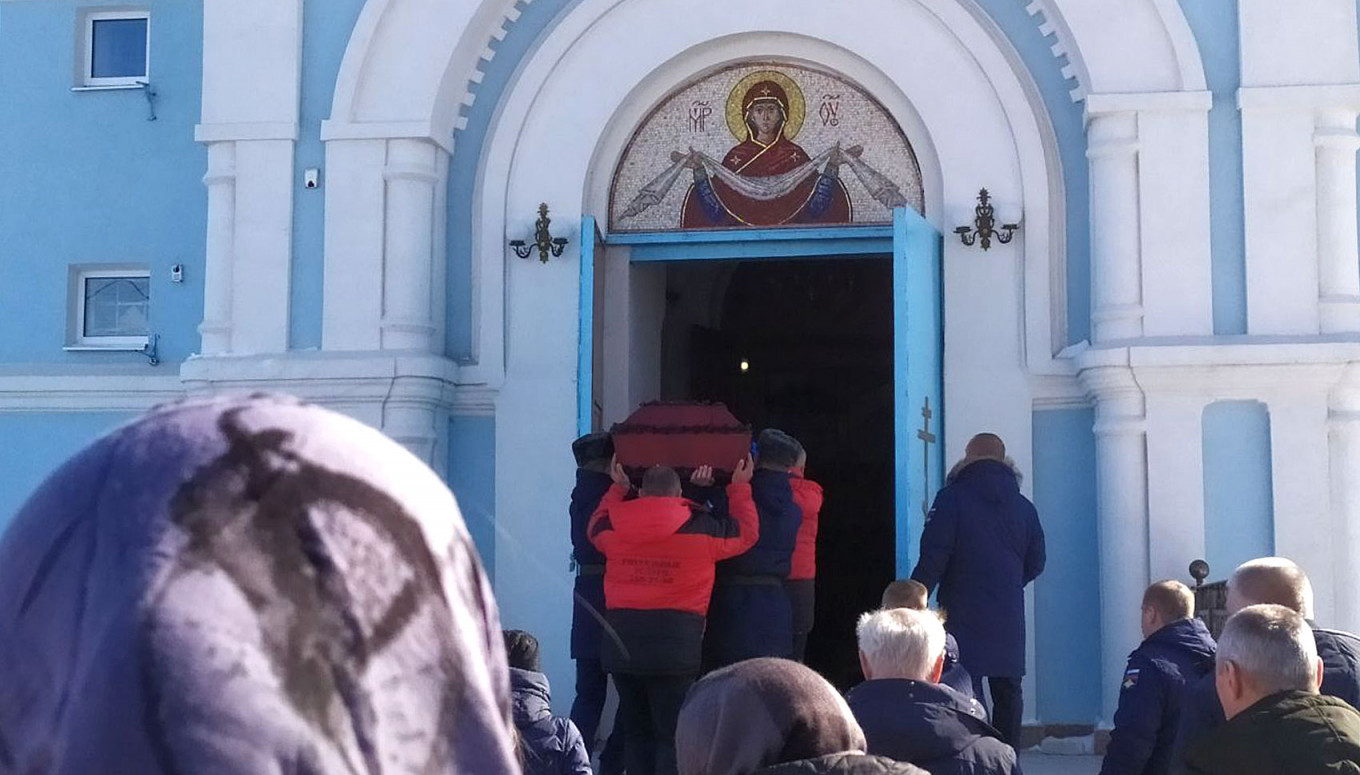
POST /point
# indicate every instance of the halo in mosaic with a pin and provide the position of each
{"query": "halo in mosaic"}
(764, 145)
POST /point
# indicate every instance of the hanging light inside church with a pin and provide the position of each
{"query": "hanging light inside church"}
(544, 241)
(745, 366)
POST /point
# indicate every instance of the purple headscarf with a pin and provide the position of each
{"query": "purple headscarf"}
(236, 585)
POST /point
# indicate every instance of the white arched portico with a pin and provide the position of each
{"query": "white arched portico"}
(945, 73)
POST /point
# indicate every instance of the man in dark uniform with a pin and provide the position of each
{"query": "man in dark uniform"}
(751, 615)
(982, 544)
(1277, 581)
(1176, 651)
(593, 455)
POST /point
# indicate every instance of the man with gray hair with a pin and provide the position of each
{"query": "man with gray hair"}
(907, 714)
(1278, 581)
(1266, 675)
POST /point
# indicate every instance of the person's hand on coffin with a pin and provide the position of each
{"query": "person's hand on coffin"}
(702, 476)
(741, 474)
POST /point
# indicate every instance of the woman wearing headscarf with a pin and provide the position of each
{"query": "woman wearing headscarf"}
(773, 717)
(247, 585)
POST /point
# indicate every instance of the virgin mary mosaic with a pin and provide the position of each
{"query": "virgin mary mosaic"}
(839, 160)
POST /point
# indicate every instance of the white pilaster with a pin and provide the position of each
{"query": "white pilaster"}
(1299, 454)
(1173, 202)
(252, 71)
(1338, 260)
(412, 173)
(386, 221)
(1300, 76)
(221, 249)
(1122, 506)
(1343, 433)
(1116, 281)
(1175, 442)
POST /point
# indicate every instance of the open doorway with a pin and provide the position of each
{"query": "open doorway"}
(805, 346)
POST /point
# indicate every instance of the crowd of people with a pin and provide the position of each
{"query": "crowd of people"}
(255, 585)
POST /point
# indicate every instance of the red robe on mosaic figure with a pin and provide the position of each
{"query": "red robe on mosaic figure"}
(713, 203)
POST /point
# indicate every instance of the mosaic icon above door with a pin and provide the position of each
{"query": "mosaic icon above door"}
(763, 145)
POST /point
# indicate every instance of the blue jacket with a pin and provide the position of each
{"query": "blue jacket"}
(746, 619)
(550, 744)
(1202, 712)
(981, 545)
(588, 597)
(780, 519)
(930, 726)
(1171, 658)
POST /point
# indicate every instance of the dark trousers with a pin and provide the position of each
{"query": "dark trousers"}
(592, 687)
(650, 707)
(803, 599)
(1007, 706)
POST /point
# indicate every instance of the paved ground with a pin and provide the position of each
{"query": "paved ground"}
(1039, 764)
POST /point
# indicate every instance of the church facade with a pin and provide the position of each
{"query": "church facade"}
(320, 198)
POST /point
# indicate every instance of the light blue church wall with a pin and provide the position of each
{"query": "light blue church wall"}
(1215, 28)
(86, 178)
(24, 466)
(326, 31)
(537, 18)
(1239, 511)
(472, 477)
(1067, 595)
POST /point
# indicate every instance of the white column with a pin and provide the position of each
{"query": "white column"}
(221, 249)
(1343, 433)
(1116, 275)
(1122, 514)
(1338, 261)
(412, 172)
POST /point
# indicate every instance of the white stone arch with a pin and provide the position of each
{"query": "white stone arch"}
(387, 157)
(994, 138)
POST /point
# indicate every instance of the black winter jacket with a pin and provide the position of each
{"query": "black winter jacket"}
(931, 726)
(1290, 733)
(1171, 658)
(1201, 712)
(843, 764)
(550, 744)
(588, 594)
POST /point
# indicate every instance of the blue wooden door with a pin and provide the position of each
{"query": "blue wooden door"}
(588, 408)
(918, 344)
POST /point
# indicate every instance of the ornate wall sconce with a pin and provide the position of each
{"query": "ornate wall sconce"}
(543, 240)
(984, 225)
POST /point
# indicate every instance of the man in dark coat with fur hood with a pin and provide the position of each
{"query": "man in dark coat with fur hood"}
(981, 545)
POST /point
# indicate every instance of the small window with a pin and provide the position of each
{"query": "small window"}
(110, 307)
(117, 48)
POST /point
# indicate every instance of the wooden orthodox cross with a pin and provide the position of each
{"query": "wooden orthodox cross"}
(927, 438)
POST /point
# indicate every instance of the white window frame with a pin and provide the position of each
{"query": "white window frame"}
(76, 338)
(87, 78)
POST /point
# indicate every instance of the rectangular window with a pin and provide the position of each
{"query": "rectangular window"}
(110, 307)
(117, 48)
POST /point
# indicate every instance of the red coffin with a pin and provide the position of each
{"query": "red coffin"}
(682, 435)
